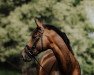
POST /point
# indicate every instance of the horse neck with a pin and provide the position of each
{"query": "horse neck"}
(60, 50)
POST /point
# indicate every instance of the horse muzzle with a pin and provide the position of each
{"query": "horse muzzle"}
(25, 57)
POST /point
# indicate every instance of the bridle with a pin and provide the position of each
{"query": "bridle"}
(29, 52)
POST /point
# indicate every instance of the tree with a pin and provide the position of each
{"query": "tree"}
(69, 15)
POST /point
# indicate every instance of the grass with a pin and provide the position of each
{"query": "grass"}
(9, 72)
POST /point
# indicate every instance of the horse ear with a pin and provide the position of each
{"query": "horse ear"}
(39, 23)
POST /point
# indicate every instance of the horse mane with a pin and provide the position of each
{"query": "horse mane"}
(62, 34)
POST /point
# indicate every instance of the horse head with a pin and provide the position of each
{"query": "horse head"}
(38, 41)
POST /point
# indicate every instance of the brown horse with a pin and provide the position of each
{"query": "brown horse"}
(48, 37)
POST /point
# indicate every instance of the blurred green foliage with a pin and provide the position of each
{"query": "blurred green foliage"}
(8, 72)
(17, 22)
